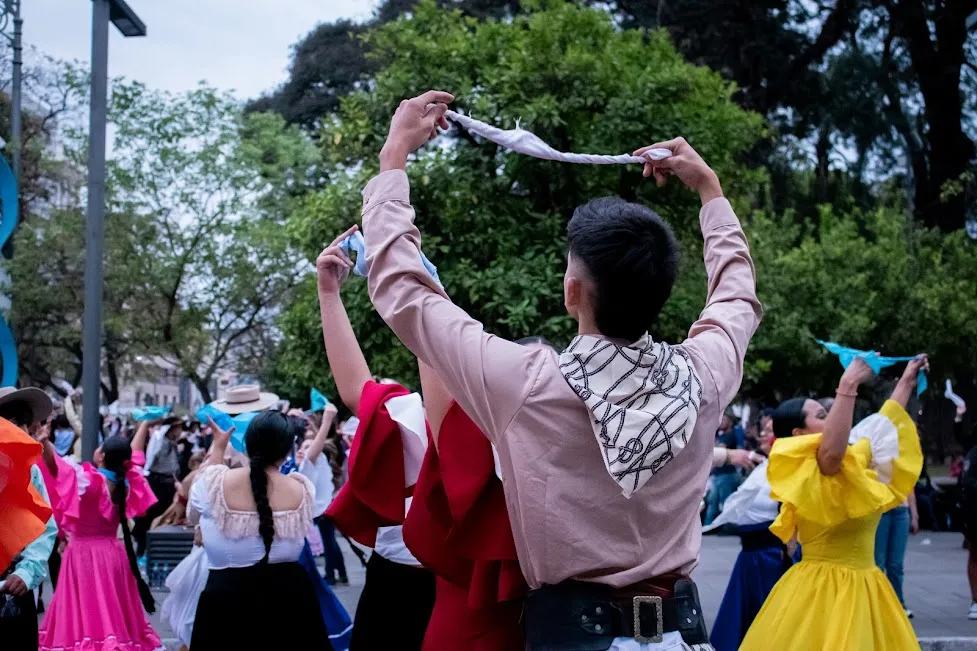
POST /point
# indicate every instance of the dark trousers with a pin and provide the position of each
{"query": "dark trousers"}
(18, 622)
(164, 488)
(376, 621)
(335, 563)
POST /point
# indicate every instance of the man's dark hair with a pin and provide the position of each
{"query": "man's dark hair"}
(632, 257)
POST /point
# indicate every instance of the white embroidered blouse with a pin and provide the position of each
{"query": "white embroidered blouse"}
(231, 537)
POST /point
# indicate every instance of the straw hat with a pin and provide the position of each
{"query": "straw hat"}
(36, 400)
(244, 398)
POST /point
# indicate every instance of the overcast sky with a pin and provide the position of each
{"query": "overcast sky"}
(239, 45)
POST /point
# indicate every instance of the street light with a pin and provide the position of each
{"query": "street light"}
(125, 19)
(128, 23)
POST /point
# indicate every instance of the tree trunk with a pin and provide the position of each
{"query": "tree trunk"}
(203, 386)
(937, 66)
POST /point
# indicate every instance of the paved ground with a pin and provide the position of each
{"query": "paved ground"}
(935, 586)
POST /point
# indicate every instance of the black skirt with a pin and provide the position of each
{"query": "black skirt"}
(394, 608)
(265, 606)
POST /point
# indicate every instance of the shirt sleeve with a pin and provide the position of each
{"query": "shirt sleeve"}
(720, 336)
(32, 567)
(488, 376)
(72, 415)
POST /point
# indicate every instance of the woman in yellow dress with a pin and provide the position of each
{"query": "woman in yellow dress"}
(833, 495)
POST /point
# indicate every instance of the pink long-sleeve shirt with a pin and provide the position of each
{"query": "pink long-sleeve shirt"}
(569, 518)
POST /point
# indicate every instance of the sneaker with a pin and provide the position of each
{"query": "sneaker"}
(909, 613)
(973, 611)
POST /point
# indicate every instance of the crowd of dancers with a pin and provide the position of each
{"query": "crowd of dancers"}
(533, 498)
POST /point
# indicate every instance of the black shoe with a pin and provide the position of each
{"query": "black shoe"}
(342, 581)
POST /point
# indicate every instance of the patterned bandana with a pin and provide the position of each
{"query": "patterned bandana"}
(645, 399)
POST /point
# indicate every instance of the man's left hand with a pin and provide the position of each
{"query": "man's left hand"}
(415, 122)
(15, 586)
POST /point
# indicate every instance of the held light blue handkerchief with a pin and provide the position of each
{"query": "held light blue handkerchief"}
(317, 400)
(241, 422)
(356, 243)
(151, 412)
(875, 361)
(221, 419)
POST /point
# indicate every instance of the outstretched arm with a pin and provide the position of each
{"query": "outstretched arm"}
(142, 435)
(489, 377)
(346, 361)
(907, 383)
(837, 426)
(721, 334)
(319, 442)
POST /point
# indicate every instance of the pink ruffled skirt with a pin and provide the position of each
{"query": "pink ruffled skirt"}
(96, 606)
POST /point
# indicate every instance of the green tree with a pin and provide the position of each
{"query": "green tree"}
(213, 188)
(872, 280)
(494, 222)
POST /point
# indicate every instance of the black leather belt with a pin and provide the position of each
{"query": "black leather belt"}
(576, 616)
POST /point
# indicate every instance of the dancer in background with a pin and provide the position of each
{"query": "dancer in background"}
(27, 409)
(764, 558)
(457, 525)
(253, 523)
(375, 497)
(833, 495)
(101, 596)
(891, 539)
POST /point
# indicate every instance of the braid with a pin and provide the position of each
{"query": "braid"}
(119, 495)
(259, 489)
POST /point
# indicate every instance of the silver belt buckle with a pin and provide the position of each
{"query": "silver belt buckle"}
(636, 604)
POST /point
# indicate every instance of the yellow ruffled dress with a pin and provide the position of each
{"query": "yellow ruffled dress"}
(836, 598)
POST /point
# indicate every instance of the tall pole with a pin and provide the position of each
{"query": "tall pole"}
(15, 94)
(95, 232)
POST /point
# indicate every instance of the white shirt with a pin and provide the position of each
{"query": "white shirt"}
(320, 474)
(231, 537)
(750, 504)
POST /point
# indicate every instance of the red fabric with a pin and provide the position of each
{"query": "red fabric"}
(23, 511)
(458, 526)
(374, 495)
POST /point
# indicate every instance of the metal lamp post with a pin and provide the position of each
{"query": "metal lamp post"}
(128, 23)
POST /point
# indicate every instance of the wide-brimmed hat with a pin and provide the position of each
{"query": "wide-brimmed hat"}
(36, 400)
(244, 398)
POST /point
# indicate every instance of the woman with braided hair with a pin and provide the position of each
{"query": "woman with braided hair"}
(97, 603)
(253, 521)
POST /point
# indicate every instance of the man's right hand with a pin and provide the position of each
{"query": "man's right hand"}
(332, 266)
(687, 165)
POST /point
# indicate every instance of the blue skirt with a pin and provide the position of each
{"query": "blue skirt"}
(338, 624)
(755, 573)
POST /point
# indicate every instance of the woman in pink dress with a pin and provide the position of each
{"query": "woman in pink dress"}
(96, 606)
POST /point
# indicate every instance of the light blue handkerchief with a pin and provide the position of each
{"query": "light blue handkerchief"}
(356, 243)
(317, 400)
(221, 419)
(875, 361)
(152, 412)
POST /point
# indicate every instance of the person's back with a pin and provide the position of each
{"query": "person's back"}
(253, 523)
(604, 452)
(230, 524)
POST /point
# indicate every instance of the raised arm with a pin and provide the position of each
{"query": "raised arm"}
(69, 412)
(489, 377)
(837, 426)
(319, 442)
(721, 334)
(142, 435)
(346, 361)
(907, 383)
